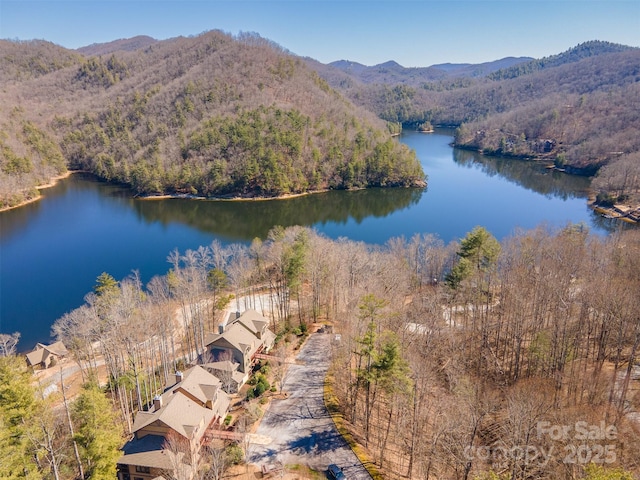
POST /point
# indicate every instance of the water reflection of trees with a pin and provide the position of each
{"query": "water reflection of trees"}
(528, 174)
(611, 225)
(245, 220)
(13, 221)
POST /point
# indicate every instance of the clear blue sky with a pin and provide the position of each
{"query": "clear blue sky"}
(411, 32)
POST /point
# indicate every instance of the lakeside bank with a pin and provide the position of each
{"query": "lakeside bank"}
(52, 183)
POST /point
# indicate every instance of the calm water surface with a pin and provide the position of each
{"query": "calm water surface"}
(51, 251)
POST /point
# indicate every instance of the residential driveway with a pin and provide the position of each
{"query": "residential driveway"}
(299, 427)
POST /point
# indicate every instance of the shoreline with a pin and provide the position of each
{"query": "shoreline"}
(225, 198)
(239, 198)
(229, 198)
(618, 212)
(625, 213)
(52, 183)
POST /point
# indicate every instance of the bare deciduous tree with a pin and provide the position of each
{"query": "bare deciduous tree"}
(8, 343)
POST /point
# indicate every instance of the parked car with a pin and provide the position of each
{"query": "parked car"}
(335, 472)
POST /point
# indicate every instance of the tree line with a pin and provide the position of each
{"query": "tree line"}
(137, 116)
(577, 110)
(484, 341)
(451, 355)
(209, 115)
(40, 439)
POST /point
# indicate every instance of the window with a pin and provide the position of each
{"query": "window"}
(140, 469)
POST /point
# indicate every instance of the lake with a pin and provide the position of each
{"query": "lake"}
(51, 251)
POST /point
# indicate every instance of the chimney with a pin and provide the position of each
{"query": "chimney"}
(157, 403)
(178, 376)
(237, 314)
(221, 328)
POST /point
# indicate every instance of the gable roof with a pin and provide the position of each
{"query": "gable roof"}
(269, 338)
(258, 325)
(248, 331)
(182, 408)
(180, 414)
(222, 366)
(36, 357)
(253, 321)
(187, 408)
(57, 348)
(199, 383)
(221, 406)
(226, 368)
(146, 452)
(41, 352)
(237, 336)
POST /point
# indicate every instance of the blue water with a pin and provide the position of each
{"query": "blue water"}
(51, 251)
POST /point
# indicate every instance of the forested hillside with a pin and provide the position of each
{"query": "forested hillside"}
(215, 115)
(209, 115)
(392, 72)
(578, 109)
(452, 361)
(23, 60)
(575, 54)
(123, 44)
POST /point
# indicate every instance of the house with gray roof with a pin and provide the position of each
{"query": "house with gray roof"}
(240, 339)
(227, 371)
(182, 415)
(43, 356)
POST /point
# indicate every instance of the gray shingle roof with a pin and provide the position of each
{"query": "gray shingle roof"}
(199, 383)
(146, 452)
(223, 366)
(179, 410)
(42, 351)
(247, 333)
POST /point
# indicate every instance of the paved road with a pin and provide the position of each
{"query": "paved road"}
(299, 427)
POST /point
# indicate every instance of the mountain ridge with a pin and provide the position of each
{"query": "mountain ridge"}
(122, 44)
(210, 115)
(392, 72)
(158, 115)
(577, 110)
